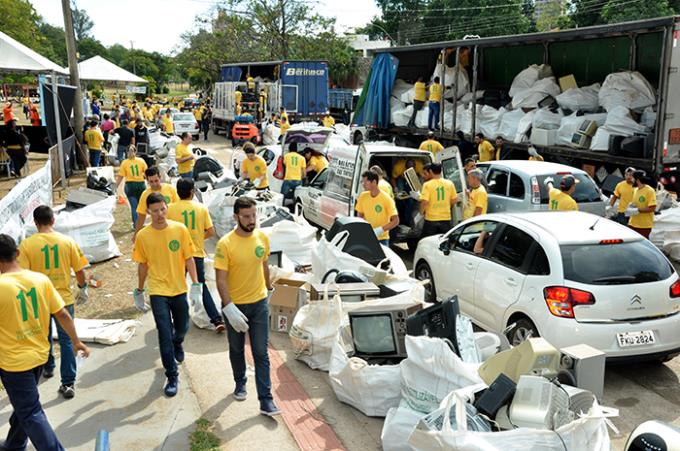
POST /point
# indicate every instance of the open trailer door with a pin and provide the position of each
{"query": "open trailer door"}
(452, 169)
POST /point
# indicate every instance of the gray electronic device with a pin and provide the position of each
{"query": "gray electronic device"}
(580, 400)
(539, 404)
(583, 366)
(654, 436)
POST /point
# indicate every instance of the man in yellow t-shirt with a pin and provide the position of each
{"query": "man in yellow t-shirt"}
(624, 193)
(26, 302)
(153, 179)
(477, 197)
(485, 149)
(94, 139)
(560, 199)
(198, 114)
(237, 100)
(328, 120)
(377, 208)
(165, 253)
(315, 163)
(242, 276)
(434, 105)
(254, 168)
(251, 83)
(132, 170)
(383, 184)
(642, 206)
(55, 255)
(295, 168)
(168, 125)
(197, 220)
(184, 156)
(437, 198)
(431, 145)
(418, 101)
(533, 154)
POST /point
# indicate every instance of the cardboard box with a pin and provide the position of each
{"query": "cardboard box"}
(542, 137)
(588, 128)
(281, 318)
(567, 82)
(590, 169)
(289, 295)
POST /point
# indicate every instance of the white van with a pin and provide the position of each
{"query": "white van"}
(334, 191)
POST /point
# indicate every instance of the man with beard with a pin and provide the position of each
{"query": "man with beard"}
(242, 275)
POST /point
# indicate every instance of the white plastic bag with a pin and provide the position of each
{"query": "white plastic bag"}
(432, 371)
(421, 117)
(619, 123)
(371, 389)
(489, 120)
(523, 127)
(295, 239)
(627, 89)
(397, 428)
(546, 119)
(464, 118)
(409, 95)
(580, 99)
(271, 135)
(401, 116)
(400, 88)
(528, 77)
(648, 118)
(530, 97)
(314, 331)
(509, 122)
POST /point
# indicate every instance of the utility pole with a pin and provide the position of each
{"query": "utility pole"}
(132, 55)
(78, 114)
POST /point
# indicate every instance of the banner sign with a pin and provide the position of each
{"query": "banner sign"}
(135, 89)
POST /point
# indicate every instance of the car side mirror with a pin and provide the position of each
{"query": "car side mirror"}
(445, 247)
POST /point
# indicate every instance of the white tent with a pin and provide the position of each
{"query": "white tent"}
(16, 57)
(100, 69)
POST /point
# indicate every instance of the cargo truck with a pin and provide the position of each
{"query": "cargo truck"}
(301, 87)
(589, 54)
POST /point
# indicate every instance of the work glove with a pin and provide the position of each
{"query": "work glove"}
(83, 296)
(609, 211)
(270, 291)
(631, 211)
(548, 180)
(257, 182)
(378, 231)
(415, 195)
(195, 293)
(236, 318)
(140, 303)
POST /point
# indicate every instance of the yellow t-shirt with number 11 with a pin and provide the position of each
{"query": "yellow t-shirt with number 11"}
(440, 194)
(295, 166)
(132, 170)
(197, 220)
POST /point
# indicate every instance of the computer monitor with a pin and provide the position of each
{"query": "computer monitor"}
(361, 242)
(379, 331)
(438, 320)
(540, 404)
(534, 356)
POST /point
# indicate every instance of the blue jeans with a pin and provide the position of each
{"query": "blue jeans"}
(384, 242)
(208, 303)
(28, 419)
(95, 157)
(187, 175)
(171, 314)
(288, 188)
(621, 219)
(121, 153)
(433, 115)
(258, 331)
(67, 367)
(133, 191)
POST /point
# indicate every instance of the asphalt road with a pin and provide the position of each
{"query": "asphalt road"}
(641, 391)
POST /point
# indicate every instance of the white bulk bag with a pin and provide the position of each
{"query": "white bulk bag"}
(271, 135)
(509, 122)
(546, 119)
(489, 120)
(619, 123)
(580, 99)
(432, 371)
(421, 117)
(314, 331)
(400, 87)
(397, 428)
(400, 117)
(530, 97)
(464, 118)
(523, 127)
(371, 389)
(628, 89)
(528, 77)
(408, 96)
(295, 238)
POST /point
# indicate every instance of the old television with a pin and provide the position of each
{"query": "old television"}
(534, 356)
(378, 331)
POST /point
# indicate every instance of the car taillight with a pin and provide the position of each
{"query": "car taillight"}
(675, 289)
(535, 191)
(561, 300)
(615, 241)
(196, 125)
(278, 173)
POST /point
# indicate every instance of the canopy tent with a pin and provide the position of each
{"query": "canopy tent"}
(16, 57)
(100, 69)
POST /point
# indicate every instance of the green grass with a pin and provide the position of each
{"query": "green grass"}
(202, 439)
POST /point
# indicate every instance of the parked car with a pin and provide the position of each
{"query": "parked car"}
(519, 185)
(185, 122)
(570, 277)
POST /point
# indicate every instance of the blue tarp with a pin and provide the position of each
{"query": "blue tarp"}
(230, 73)
(373, 108)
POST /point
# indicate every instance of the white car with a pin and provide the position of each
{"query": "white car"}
(186, 122)
(570, 277)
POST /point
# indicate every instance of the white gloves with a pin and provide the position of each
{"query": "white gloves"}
(548, 180)
(418, 218)
(610, 211)
(140, 303)
(236, 318)
(257, 182)
(195, 293)
(378, 231)
(82, 296)
(415, 195)
(631, 211)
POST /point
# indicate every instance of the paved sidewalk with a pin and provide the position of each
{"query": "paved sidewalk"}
(120, 389)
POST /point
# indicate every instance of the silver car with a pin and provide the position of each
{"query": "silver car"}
(519, 185)
(186, 122)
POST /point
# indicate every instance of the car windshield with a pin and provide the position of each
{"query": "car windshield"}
(306, 139)
(267, 154)
(183, 117)
(614, 264)
(586, 190)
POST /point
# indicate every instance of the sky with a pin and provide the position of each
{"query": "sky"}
(156, 25)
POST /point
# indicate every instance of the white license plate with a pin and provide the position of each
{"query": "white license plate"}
(628, 339)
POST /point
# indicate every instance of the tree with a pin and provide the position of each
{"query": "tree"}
(551, 15)
(89, 47)
(529, 11)
(56, 43)
(585, 13)
(612, 12)
(82, 24)
(20, 21)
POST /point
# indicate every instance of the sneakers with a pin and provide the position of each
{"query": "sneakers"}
(67, 391)
(171, 387)
(47, 373)
(179, 353)
(240, 392)
(268, 408)
(219, 326)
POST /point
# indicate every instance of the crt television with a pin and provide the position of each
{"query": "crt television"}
(534, 356)
(378, 331)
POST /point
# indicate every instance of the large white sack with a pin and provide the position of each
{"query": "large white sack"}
(396, 104)
(523, 127)
(401, 117)
(400, 87)
(371, 389)
(343, 130)
(296, 239)
(528, 77)
(489, 120)
(467, 98)
(421, 117)
(580, 99)
(464, 118)
(666, 232)
(509, 122)
(271, 135)
(628, 89)
(431, 371)
(648, 118)
(546, 119)
(530, 97)
(619, 123)
(570, 124)
(220, 206)
(397, 428)
(408, 96)
(463, 86)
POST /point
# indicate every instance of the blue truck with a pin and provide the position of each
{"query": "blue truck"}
(301, 87)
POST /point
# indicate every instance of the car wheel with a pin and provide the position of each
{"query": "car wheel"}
(423, 272)
(358, 138)
(523, 329)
